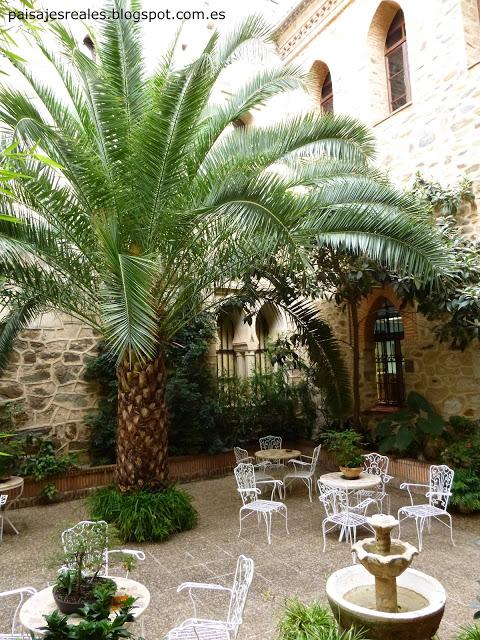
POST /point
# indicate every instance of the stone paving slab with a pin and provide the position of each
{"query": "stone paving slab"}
(293, 565)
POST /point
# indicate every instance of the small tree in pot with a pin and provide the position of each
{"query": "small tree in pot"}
(345, 446)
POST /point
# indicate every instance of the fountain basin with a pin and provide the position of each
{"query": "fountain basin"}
(421, 624)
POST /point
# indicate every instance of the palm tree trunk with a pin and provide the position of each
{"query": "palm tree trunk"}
(142, 436)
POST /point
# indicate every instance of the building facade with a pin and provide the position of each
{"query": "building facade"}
(410, 70)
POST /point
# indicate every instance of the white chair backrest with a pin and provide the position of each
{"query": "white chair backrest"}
(240, 454)
(17, 597)
(3, 499)
(315, 457)
(92, 536)
(441, 479)
(333, 500)
(241, 585)
(270, 442)
(376, 464)
(245, 477)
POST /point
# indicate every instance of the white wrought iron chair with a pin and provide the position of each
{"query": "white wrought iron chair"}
(438, 494)
(271, 442)
(3, 502)
(245, 476)
(376, 465)
(304, 470)
(17, 632)
(79, 531)
(340, 514)
(203, 629)
(241, 456)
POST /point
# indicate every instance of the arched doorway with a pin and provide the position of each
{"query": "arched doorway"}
(225, 351)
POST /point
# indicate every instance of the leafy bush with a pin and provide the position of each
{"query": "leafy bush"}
(311, 622)
(103, 421)
(470, 633)
(11, 445)
(409, 431)
(45, 462)
(263, 403)
(144, 516)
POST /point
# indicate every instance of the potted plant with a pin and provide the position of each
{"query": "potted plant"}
(345, 446)
(97, 621)
(79, 580)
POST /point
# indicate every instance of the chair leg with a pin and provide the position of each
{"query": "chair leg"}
(324, 535)
(240, 518)
(420, 522)
(268, 522)
(310, 488)
(451, 528)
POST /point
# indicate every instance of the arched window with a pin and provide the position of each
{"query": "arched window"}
(225, 351)
(388, 334)
(326, 95)
(396, 60)
(262, 329)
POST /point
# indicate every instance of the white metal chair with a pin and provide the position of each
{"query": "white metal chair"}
(203, 629)
(376, 465)
(438, 494)
(304, 470)
(3, 502)
(241, 456)
(17, 632)
(340, 514)
(99, 528)
(245, 476)
(271, 442)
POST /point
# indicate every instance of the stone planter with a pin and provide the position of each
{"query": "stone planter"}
(421, 624)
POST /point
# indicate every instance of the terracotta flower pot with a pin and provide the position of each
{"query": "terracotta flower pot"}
(351, 473)
(69, 604)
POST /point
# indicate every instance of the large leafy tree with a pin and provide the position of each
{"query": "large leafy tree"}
(147, 198)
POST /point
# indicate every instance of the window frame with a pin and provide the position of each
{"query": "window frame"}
(402, 45)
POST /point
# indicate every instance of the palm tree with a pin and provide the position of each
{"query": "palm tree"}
(145, 198)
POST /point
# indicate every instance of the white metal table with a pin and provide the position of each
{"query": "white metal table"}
(42, 603)
(13, 488)
(336, 480)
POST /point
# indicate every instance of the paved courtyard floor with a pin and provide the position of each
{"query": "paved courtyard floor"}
(292, 565)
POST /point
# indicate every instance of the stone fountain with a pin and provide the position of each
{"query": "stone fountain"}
(382, 594)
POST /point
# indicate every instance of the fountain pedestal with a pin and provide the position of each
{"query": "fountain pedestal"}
(384, 596)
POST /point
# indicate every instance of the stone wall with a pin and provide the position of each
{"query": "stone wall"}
(45, 375)
(437, 133)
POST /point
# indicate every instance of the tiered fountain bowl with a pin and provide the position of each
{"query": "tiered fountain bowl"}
(382, 594)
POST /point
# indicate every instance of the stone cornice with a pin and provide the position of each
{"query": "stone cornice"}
(309, 24)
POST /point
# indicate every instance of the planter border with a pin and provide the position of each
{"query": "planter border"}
(81, 481)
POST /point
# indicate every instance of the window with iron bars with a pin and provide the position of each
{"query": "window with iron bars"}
(389, 361)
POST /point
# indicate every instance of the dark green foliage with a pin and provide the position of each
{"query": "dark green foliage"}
(11, 445)
(191, 389)
(45, 462)
(463, 454)
(144, 516)
(311, 622)
(345, 445)
(409, 431)
(263, 403)
(48, 493)
(103, 421)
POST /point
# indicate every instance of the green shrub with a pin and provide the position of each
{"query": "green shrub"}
(103, 421)
(311, 622)
(11, 444)
(144, 516)
(411, 430)
(470, 633)
(45, 462)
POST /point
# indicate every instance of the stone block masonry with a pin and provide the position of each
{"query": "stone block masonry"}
(45, 375)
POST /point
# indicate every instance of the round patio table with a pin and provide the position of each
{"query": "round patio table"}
(277, 455)
(42, 603)
(336, 480)
(13, 488)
